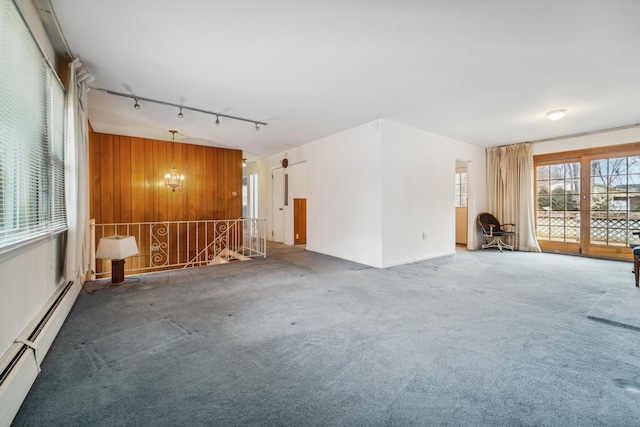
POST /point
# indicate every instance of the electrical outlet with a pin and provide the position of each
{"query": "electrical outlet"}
(424, 236)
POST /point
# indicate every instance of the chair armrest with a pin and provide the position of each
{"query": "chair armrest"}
(490, 229)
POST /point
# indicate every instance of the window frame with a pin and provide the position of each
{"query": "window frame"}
(461, 184)
(32, 169)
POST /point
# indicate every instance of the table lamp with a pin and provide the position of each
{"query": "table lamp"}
(117, 248)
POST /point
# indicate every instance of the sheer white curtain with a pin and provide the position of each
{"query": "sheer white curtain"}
(77, 172)
(510, 191)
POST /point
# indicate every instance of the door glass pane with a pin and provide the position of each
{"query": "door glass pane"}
(633, 165)
(542, 173)
(558, 202)
(599, 168)
(572, 170)
(634, 204)
(573, 204)
(557, 171)
(618, 166)
(634, 182)
(573, 186)
(615, 200)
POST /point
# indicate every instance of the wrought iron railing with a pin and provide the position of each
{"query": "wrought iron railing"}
(179, 244)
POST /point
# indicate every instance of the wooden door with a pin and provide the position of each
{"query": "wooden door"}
(461, 225)
(299, 221)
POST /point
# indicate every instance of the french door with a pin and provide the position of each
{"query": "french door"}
(558, 198)
(588, 201)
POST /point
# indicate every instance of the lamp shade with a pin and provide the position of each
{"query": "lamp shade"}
(116, 247)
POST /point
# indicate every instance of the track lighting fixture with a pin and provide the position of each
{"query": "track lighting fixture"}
(181, 107)
(257, 127)
(244, 163)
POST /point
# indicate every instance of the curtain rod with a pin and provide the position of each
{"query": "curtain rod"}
(593, 132)
(181, 107)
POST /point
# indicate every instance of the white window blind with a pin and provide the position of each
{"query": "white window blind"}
(57, 157)
(31, 137)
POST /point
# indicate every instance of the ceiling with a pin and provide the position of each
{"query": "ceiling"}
(480, 71)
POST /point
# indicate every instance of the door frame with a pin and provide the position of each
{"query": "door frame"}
(277, 206)
(585, 156)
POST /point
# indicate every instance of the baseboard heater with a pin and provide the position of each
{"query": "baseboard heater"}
(20, 365)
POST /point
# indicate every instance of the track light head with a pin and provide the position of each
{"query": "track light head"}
(217, 120)
(180, 115)
(136, 105)
(257, 127)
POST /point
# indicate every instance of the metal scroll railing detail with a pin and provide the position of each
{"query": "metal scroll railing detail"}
(178, 244)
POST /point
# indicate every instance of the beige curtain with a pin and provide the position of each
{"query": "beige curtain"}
(510, 191)
(77, 172)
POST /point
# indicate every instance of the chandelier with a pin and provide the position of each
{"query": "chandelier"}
(172, 178)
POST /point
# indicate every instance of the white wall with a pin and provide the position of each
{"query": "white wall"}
(344, 209)
(28, 278)
(374, 189)
(418, 176)
(624, 136)
(343, 192)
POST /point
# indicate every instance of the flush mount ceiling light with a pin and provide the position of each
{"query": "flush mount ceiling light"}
(556, 114)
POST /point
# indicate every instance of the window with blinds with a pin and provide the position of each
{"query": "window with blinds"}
(31, 137)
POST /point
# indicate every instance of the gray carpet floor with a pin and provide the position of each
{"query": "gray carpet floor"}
(303, 339)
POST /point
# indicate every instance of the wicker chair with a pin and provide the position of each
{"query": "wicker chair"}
(493, 232)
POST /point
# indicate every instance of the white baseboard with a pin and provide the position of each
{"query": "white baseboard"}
(15, 387)
(418, 259)
(24, 370)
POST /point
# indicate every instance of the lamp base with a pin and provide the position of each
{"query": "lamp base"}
(117, 271)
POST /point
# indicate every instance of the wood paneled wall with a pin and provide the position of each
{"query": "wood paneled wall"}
(126, 177)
